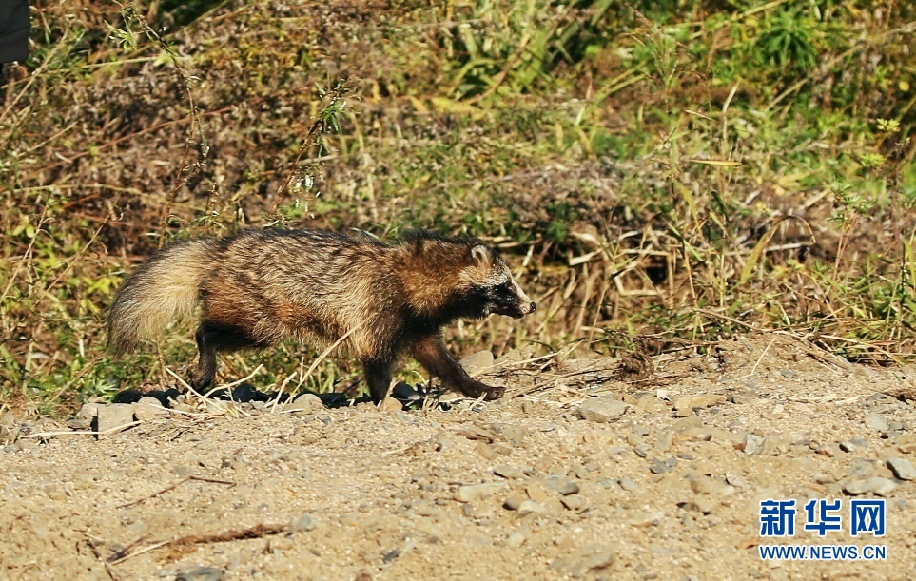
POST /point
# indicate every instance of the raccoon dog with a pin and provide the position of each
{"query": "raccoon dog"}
(259, 287)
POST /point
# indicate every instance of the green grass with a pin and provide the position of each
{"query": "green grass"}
(681, 170)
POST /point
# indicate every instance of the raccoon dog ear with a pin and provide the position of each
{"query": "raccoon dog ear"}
(480, 253)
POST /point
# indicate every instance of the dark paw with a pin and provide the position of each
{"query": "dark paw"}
(477, 389)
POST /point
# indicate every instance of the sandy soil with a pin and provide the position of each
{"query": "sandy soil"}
(667, 489)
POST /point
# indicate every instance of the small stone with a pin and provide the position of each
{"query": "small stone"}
(25, 445)
(703, 504)
(303, 524)
(639, 430)
(516, 539)
(530, 507)
(183, 470)
(573, 502)
(847, 446)
(445, 443)
(736, 481)
(114, 415)
(89, 410)
(512, 434)
(642, 450)
(77, 424)
(659, 467)
(628, 485)
(472, 492)
(663, 441)
(200, 574)
(513, 501)
(148, 408)
(702, 401)
(874, 485)
(390, 404)
(707, 485)
(902, 468)
(602, 409)
(507, 471)
(477, 361)
(307, 403)
(486, 450)
(741, 397)
(753, 445)
(589, 558)
(561, 485)
(876, 422)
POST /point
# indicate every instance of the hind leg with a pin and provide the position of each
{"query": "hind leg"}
(212, 338)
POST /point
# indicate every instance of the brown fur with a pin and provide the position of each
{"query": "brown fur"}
(261, 286)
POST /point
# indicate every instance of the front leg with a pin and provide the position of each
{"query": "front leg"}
(378, 376)
(433, 356)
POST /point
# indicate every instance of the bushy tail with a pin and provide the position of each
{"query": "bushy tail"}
(163, 289)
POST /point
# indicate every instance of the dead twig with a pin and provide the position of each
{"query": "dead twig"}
(86, 433)
(255, 532)
(176, 485)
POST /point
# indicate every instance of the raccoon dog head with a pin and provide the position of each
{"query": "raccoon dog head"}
(495, 289)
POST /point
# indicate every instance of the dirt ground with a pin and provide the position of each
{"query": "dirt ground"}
(661, 479)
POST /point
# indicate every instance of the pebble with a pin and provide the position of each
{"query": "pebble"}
(148, 408)
(513, 501)
(507, 471)
(303, 524)
(200, 574)
(684, 406)
(663, 441)
(640, 430)
(876, 422)
(24, 445)
(512, 434)
(628, 485)
(561, 485)
(753, 445)
(114, 415)
(89, 410)
(390, 404)
(902, 468)
(736, 481)
(602, 409)
(472, 492)
(703, 504)
(307, 403)
(873, 485)
(847, 446)
(573, 502)
(77, 424)
(477, 361)
(707, 485)
(659, 467)
(588, 558)
(516, 539)
(530, 507)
